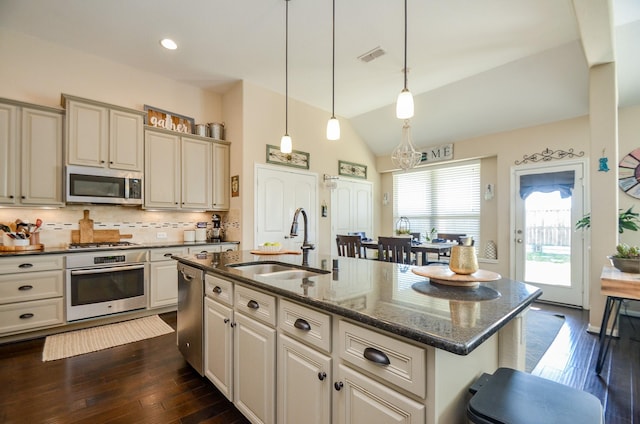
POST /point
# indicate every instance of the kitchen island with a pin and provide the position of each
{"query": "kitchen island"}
(392, 346)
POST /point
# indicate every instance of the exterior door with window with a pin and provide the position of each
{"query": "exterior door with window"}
(548, 249)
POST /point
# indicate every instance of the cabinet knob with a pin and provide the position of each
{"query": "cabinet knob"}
(26, 316)
(11, 196)
(322, 375)
(301, 324)
(217, 289)
(338, 385)
(252, 304)
(111, 162)
(233, 324)
(101, 161)
(374, 355)
(22, 197)
(226, 320)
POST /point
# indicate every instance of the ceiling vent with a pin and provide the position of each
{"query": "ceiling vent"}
(371, 55)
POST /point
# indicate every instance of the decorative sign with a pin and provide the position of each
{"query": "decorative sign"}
(438, 153)
(235, 186)
(546, 155)
(352, 169)
(295, 158)
(168, 120)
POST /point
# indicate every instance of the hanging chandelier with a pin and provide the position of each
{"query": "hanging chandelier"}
(285, 141)
(333, 126)
(405, 156)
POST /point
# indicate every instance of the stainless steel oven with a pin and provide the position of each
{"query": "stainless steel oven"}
(105, 282)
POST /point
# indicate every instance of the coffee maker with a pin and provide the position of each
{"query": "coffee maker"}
(216, 231)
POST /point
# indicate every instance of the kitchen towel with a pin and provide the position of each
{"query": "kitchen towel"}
(78, 342)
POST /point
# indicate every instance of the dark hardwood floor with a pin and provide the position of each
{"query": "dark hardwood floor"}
(572, 356)
(149, 381)
(142, 382)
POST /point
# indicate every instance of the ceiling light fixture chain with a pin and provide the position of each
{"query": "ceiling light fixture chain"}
(333, 126)
(286, 146)
(404, 105)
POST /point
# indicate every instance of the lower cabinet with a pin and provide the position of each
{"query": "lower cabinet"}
(304, 384)
(364, 400)
(254, 354)
(218, 340)
(163, 277)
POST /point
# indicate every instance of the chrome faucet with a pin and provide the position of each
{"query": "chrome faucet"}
(306, 246)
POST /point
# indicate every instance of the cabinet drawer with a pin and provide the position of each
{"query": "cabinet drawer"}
(305, 324)
(218, 289)
(24, 316)
(165, 253)
(30, 263)
(406, 367)
(255, 304)
(30, 286)
(205, 248)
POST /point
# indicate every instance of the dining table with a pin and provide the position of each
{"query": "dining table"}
(420, 249)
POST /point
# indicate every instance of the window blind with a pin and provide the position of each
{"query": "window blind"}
(446, 198)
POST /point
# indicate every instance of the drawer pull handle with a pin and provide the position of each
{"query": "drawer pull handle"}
(26, 316)
(27, 265)
(301, 324)
(374, 355)
(253, 304)
(25, 288)
(322, 375)
(338, 385)
(168, 255)
(217, 290)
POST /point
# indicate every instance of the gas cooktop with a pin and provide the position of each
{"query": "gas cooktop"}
(105, 244)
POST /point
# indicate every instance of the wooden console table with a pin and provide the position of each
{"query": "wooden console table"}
(617, 286)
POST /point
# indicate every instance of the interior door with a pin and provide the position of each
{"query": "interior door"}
(351, 209)
(279, 192)
(549, 251)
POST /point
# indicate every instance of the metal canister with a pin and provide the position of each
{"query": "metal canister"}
(202, 130)
(216, 130)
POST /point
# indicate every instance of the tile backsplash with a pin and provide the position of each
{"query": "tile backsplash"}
(143, 225)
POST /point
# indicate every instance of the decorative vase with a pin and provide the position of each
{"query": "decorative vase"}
(463, 260)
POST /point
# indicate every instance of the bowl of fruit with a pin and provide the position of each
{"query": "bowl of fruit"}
(268, 246)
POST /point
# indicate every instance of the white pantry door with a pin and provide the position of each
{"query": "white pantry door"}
(351, 209)
(279, 192)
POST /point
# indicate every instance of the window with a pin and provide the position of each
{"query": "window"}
(446, 198)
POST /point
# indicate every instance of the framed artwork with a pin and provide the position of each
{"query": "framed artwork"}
(168, 120)
(351, 169)
(296, 158)
(235, 186)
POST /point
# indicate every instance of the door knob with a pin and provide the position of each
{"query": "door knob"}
(518, 240)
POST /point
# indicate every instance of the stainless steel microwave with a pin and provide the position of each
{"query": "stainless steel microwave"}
(85, 184)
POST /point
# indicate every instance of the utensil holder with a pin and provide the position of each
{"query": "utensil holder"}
(463, 260)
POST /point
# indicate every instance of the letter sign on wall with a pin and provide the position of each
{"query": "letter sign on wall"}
(437, 153)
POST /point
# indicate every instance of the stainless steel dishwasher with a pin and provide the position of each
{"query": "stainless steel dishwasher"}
(190, 315)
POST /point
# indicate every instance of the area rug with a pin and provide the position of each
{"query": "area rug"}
(541, 330)
(78, 342)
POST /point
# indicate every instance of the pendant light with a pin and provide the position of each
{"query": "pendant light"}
(333, 126)
(404, 105)
(285, 141)
(404, 156)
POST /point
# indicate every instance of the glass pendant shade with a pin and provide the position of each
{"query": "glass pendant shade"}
(405, 156)
(404, 105)
(333, 129)
(285, 144)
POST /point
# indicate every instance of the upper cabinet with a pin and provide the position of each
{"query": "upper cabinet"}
(186, 172)
(30, 155)
(103, 135)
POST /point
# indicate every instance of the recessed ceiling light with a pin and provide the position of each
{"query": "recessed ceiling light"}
(168, 43)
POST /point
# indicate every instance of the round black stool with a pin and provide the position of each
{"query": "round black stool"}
(515, 397)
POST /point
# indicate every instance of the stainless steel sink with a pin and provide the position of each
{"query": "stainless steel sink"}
(277, 270)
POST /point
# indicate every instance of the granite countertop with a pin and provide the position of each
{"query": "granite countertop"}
(152, 245)
(387, 296)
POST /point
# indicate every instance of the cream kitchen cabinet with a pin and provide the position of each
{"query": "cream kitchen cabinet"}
(177, 171)
(220, 182)
(218, 334)
(30, 155)
(31, 293)
(163, 282)
(103, 135)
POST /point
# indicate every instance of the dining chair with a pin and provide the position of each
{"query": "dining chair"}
(395, 249)
(449, 238)
(350, 246)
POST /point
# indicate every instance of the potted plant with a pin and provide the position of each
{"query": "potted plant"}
(627, 258)
(627, 220)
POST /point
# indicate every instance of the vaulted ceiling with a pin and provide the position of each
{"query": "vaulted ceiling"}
(475, 67)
